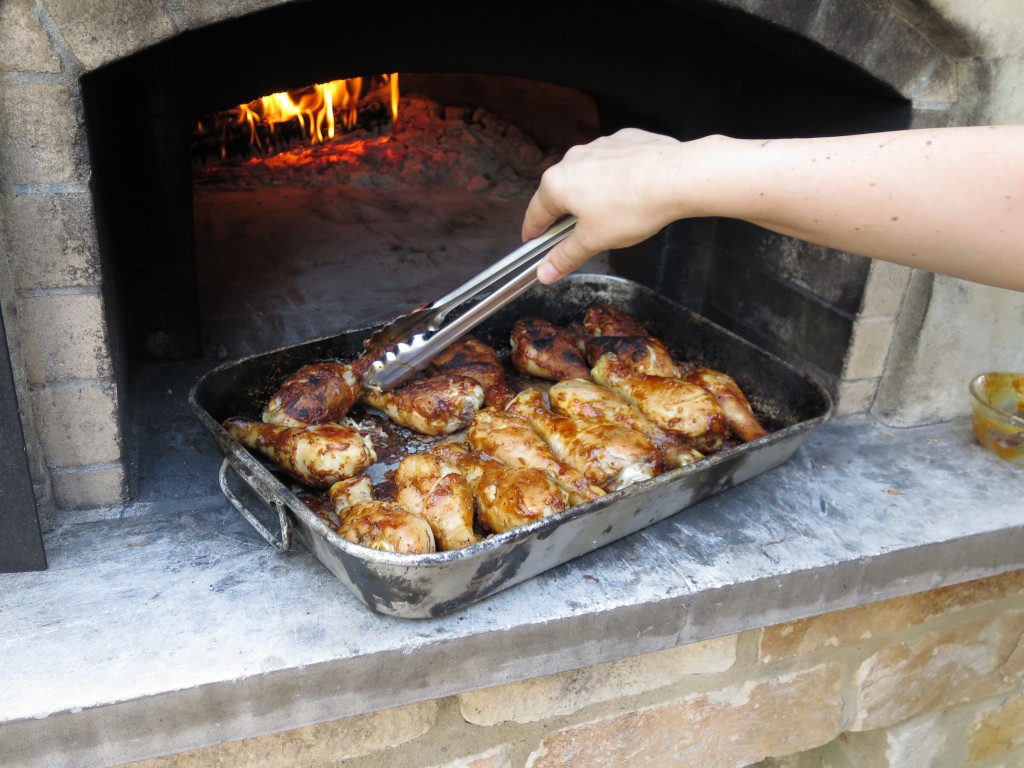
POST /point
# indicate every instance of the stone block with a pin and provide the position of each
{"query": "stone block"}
(101, 31)
(51, 241)
(855, 396)
(940, 669)
(92, 488)
(24, 45)
(69, 339)
(324, 744)
(919, 743)
(997, 730)
(78, 424)
(852, 29)
(497, 757)
(40, 137)
(552, 695)
(869, 347)
(884, 290)
(734, 726)
(877, 620)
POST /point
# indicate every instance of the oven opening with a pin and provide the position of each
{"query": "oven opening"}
(222, 239)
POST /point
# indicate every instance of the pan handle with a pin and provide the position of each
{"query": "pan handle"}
(283, 540)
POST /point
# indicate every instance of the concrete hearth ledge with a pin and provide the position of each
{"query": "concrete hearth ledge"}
(159, 630)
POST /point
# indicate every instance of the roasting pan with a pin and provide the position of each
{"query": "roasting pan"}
(789, 403)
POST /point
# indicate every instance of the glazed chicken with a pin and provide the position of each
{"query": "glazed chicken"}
(512, 441)
(317, 394)
(583, 398)
(543, 350)
(386, 526)
(609, 455)
(473, 358)
(439, 494)
(506, 497)
(645, 354)
(734, 403)
(435, 405)
(673, 404)
(609, 320)
(317, 455)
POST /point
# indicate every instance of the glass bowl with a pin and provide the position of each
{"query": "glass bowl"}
(997, 414)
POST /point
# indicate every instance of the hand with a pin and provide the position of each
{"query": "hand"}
(619, 188)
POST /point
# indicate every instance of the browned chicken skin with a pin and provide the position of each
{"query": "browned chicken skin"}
(543, 350)
(471, 357)
(317, 455)
(738, 413)
(609, 455)
(386, 526)
(645, 354)
(514, 442)
(676, 405)
(507, 497)
(316, 394)
(583, 398)
(436, 405)
(609, 320)
(439, 494)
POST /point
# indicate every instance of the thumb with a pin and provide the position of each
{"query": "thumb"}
(562, 259)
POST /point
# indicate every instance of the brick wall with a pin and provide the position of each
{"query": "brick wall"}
(934, 680)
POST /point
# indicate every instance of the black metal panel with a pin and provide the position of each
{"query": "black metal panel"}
(21, 540)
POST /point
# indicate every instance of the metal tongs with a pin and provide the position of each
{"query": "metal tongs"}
(406, 345)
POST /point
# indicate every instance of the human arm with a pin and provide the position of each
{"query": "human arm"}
(946, 200)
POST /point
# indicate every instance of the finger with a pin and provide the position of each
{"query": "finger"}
(568, 256)
(539, 216)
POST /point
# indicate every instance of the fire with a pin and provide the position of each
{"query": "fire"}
(320, 112)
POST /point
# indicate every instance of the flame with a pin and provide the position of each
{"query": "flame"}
(318, 109)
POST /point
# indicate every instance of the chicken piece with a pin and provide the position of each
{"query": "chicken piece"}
(317, 394)
(433, 490)
(673, 404)
(507, 497)
(386, 526)
(645, 354)
(733, 401)
(609, 320)
(542, 349)
(471, 357)
(585, 399)
(512, 441)
(436, 405)
(318, 455)
(609, 455)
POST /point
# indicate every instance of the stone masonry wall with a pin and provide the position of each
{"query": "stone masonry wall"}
(934, 680)
(51, 295)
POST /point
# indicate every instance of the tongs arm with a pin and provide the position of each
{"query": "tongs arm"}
(408, 344)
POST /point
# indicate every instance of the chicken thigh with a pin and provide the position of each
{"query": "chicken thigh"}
(608, 320)
(609, 455)
(436, 405)
(473, 358)
(507, 497)
(673, 404)
(645, 354)
(512, 441)
(317, 455)
(439, 494)
(316, 394)
(582, 398)
(542, 349)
